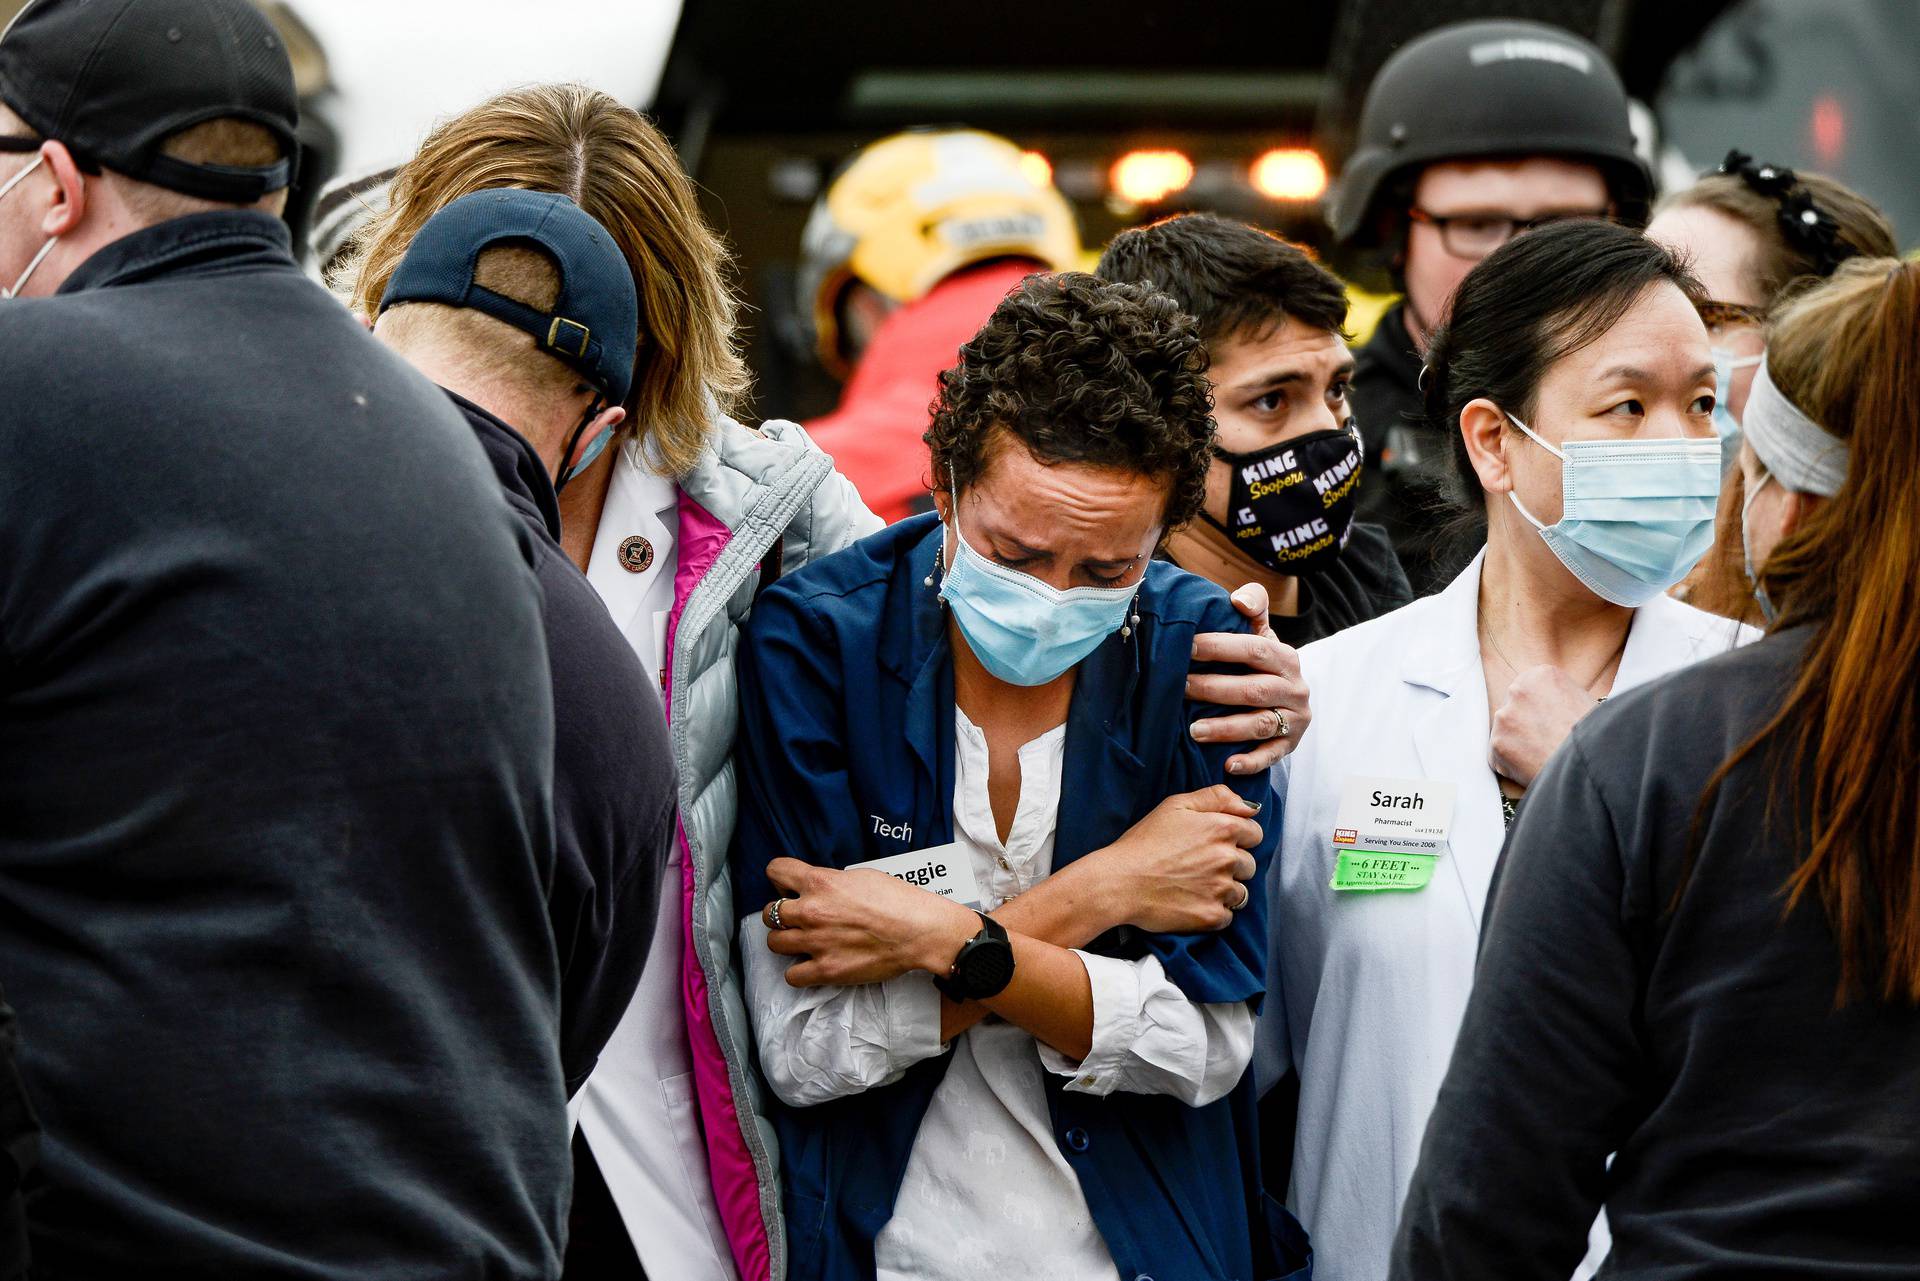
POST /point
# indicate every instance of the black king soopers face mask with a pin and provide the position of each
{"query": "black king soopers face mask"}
(1291, 505)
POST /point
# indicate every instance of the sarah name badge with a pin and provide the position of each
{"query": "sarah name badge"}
(947, 870)
(1389, 832)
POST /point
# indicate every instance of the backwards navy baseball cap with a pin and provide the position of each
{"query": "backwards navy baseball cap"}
(114, 79)
(595, 322)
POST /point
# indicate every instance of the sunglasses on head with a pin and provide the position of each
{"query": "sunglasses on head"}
(1715, 314)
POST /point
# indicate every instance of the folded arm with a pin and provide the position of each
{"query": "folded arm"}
(1111, 1024)
(1125, 1025)
(821, 1043)
(1149, 1037)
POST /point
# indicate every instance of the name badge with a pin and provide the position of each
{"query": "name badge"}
(947, 870)
(1389, 832)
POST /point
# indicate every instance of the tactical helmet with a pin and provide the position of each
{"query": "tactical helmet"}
(1493, 88)
(912, 209)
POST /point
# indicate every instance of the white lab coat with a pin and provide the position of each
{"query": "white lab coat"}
(1372, 986)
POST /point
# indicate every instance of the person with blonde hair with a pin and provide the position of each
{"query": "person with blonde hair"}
(618, 167)
(1698, 999)
(678, 525)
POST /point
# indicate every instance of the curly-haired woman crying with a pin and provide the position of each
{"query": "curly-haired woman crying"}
(1024, 1051)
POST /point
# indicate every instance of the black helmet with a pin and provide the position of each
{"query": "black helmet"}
(1497, 88)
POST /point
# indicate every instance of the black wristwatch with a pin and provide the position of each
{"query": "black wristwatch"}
(984, 966)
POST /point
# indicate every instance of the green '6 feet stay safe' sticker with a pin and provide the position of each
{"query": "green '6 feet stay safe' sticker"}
(1366, 870)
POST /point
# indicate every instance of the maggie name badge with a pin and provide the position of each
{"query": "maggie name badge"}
(1389, 832)
(947, 870)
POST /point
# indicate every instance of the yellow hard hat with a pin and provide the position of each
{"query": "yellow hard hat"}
(914, 208)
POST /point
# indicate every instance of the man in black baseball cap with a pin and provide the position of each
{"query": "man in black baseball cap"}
(276, 727)
(192, 100)
(591, 326)
(523, 309)
(1471, 134)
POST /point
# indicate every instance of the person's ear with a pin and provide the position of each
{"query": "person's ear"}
(608, 419)
(1483, 428)
(1797, 510)
(69, 207)
(943, 503)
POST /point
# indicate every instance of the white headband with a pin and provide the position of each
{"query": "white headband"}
(1797, 451)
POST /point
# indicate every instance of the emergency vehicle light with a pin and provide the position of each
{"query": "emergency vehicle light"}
(1289, 173)
(1143, 177)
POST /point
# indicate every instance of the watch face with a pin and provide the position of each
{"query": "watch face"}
(987, 967)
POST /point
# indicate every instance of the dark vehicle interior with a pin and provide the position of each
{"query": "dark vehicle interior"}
(1243, 109)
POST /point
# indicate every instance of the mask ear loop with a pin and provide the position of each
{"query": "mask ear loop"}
(939, 556)
(1767, 610)
(1513, 495)
(45, 249)
(32, 266)
(570, 470)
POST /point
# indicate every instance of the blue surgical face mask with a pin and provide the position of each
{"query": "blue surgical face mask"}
(1767, 611)
(1024, 631)
(1636, 515)
(1725, 425)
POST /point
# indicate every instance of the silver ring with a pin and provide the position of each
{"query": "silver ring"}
(773, 915)
(1286, 729)
(1246, 896)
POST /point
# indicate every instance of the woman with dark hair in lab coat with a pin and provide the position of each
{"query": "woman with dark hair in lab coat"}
(1704, 952)
(1576, 379)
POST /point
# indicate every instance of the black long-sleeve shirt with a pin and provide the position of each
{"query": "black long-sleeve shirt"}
(1409, 485)
(19, 1150)
(276, 755)
(613, 780)
(1759, 1131)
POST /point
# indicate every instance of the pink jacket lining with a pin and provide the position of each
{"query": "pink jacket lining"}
(736, 1186)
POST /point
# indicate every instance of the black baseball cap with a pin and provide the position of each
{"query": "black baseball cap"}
(114, 79)
(595, 322)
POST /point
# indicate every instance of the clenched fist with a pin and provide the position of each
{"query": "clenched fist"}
(1543, 704)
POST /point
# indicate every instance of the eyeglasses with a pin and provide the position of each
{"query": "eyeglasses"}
(1719, 317)
(1475, 235)
(13, 142)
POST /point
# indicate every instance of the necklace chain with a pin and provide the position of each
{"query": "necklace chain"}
(1514, 672)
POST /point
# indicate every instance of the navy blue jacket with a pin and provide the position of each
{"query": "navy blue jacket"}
(846, 736)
